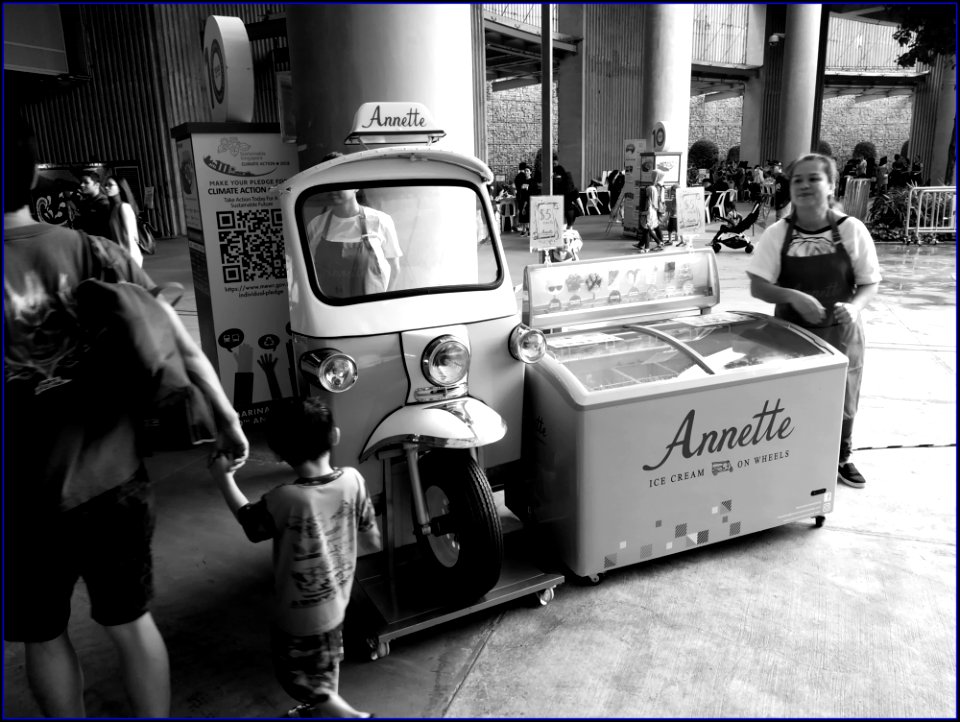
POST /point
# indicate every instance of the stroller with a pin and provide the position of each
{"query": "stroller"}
(732, 230)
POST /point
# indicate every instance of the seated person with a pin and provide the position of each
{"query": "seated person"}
(354, 248)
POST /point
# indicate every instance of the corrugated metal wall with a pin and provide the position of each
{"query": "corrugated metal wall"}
(923, 125)
(611, 92)
(772, 76)
(720, 34)
(522, 12)
(858, 46)
(146, 77)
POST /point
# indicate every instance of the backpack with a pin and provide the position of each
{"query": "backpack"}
(145, 238)
(129, 332)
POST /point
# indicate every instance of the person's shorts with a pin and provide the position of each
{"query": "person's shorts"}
(308, 667)
(106, 541)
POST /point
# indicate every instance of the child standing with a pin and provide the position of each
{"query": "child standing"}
(318, 522)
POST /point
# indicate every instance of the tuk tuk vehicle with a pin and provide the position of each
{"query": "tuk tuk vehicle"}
(404, 320)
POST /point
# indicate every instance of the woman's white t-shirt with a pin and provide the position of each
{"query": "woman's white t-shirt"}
(856, 240)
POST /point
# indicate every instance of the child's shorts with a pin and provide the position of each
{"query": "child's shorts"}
(105, 540)
(308, 667)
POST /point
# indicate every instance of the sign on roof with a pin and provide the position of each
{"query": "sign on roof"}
(381, 123)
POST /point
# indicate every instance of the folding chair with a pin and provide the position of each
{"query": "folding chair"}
(508, 212)
(593, 200)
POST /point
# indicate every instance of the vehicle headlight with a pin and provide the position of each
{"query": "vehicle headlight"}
(445, 361)
(527, 344)
(330, 369)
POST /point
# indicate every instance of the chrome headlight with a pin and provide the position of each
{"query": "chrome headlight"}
(445, 361)
(527, 344)
(330, 369)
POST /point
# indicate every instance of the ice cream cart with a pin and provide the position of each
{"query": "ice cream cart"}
(404, 320)
(654, 426)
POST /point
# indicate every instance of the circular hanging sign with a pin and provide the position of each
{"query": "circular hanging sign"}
(659, 136)
(228, 64)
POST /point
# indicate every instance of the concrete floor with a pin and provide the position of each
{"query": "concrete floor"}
(854, 619)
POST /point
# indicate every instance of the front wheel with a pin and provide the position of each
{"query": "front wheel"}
(465, 543)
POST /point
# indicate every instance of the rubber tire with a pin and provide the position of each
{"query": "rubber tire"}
(716, 248)
(749, 249)
(476, 569)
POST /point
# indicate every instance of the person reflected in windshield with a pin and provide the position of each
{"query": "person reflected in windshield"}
(354, 247)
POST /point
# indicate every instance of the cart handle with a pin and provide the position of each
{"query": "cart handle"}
(700, 360)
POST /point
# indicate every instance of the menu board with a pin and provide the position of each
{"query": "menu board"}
(615, 288)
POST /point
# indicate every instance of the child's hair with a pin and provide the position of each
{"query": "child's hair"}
(299, 430)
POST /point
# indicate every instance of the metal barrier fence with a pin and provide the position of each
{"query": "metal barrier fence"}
(931, 209)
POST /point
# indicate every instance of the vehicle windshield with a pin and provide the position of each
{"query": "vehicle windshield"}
(367, 240)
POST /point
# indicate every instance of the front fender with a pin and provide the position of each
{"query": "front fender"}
(452, 424)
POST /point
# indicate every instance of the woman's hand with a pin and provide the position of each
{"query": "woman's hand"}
(809, 308)
(846, 312)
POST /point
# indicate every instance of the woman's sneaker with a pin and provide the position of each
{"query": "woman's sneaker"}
(847, 474)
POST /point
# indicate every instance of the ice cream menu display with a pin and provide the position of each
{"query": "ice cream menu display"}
(562, 294)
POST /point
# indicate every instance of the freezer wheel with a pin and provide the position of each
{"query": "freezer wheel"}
(545, 596)
(818, 521)
(593, 579)
(378, 649)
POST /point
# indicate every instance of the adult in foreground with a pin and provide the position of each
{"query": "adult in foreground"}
(77, 501)
(820, 268)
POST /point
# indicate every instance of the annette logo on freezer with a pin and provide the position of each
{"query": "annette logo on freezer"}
(770, 425)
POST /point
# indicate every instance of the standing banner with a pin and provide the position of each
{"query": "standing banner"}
(546, 222)
(631, 195)
(235, 238)
(691, 219)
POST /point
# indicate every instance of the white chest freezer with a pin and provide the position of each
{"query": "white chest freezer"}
(655, 426)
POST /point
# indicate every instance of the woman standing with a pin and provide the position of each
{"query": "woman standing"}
(820, 268)
(123, 217)
(652, 215)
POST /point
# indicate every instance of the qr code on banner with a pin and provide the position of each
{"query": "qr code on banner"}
(251, 245)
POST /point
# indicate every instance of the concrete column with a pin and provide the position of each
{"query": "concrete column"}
(799, 80)
(750, 126)
(665, 75)
(344, 55)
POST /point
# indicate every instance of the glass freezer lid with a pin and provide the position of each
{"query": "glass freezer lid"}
(732, 340)
(622, 356)
(690, 347)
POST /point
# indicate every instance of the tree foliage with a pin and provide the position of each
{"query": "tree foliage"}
(926, 30)
(866, 150)
(703, 154)
(824, 148)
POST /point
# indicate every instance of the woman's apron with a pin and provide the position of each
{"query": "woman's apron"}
(351, 268)
(830, 279)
